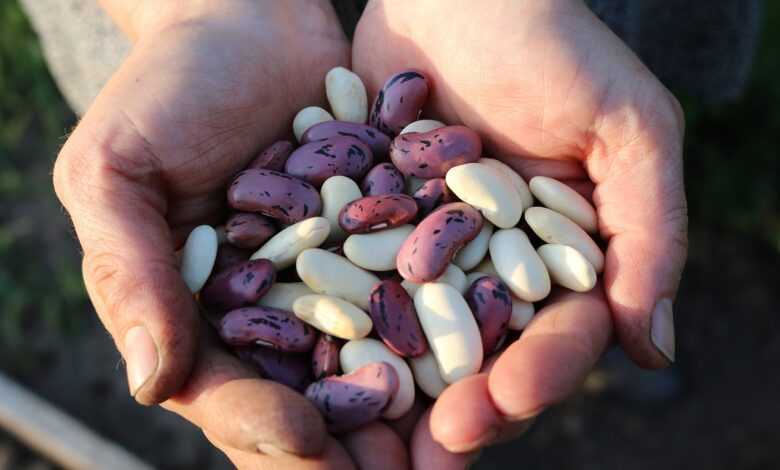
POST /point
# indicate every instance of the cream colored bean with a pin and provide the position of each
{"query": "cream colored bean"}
(308, 117)
(284, 247)
(282, 295)
(357, 353)
(346, 95)
(555, 228)
(564, 200)
(331, 274)
(336, 192)
(427, 375)
(333, 316)
(198, 256)
(522, 313)
(376, 251)
(453, 276)
(516, 180)
(488, 191)
(567, 267)
(486, 266)
(423, 125)
(518, 265)
(474, 252)
(451, 330)
(413, 184)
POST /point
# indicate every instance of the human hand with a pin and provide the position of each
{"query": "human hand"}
(552, 92)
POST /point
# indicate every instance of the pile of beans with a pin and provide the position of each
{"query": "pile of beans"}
(401, 250)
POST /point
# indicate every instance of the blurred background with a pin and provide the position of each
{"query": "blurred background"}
(717, 408)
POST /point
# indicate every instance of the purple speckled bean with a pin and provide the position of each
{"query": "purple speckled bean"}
(229, 256)
(266, 326)
(378, 142)
(277, 195)
(432, 194)
(273, 157)
(431, 154)
(395, 319)
(291, 369)
(353, 400)
(373, 213)
(399, 102)
(241, 285)
(491, 304)
(325, 356)
(425, 254)
(383, 179)
(317, 161)
(248, 230)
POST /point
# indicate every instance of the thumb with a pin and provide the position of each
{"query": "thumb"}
(111, 186)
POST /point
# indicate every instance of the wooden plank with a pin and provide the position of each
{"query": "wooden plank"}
(57, 435)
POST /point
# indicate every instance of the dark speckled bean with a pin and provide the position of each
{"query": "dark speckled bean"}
(429, 249)
(399, 102)
(491, 304)
(241, 285)
(277, 195)
(229, 256)
(383, 179)
(248, 230)
(431, 154)
(317, 161)
(373, 213)
(325, 356)
(395, 319)
(266, 326)
(273, 157)
(378, 142)
(353, 400)
(291, 369)
(432, 194)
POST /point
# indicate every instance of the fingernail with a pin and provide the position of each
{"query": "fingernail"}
(140, 356)
(662, 328)
(270, 450)
(486, 438)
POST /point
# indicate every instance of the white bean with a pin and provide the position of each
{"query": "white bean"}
(376, 251)
(282, 295)
(516, 180)
(308, 117)
(555, 228)
(357, 353)
(346, 95)
(453, 276)
(564, 200)
(427, 375)
(198, 257)
(336, 192)
(522, 313)
(474, 252)
(331, 274)
(518, 265)
(451, 330)
(488, 191)
(285, 246)
(423, 125)
(567, 267)
(333, 316)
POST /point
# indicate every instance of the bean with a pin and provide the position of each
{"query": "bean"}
(273, 157)
(474, 251)
(341, 155)
(514, 179)
(491, 304)
(266, 326)
(399, 102)
(430, 248)
(285, 246)
(522, 311)
(248, 230)
(453, 276)
(336, 192)
(567, 267)
(283, 295)
(433, 193)
(376, 251)
(564, 200)
(427, 375)
(395, 319)
(451, 330)
(331, 274)
(488, 191)
(378, 142)
(198, 256)
(333, 316)
(353, 400)
(325, 356)
(372, 213)
(241, 285)
(276, 195)
(308, 117)
(555, 228)
(423, 125)
(229, 256)
(518, 265)
(383, 179)
(431, 154)
(346, 95)
(290, 369)
(357, 353)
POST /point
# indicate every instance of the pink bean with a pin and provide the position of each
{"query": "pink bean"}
(317, 161)
(266, 326)
(378, 142)
(291, 369)
(277, 195)
(491, 304)
(273, 157)
(383, 179)
(373, 213)
(399, 102)
(241, 285)
(325, 356)
(395, 319)
(248, 230)
(431, 154)
(432, 194)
